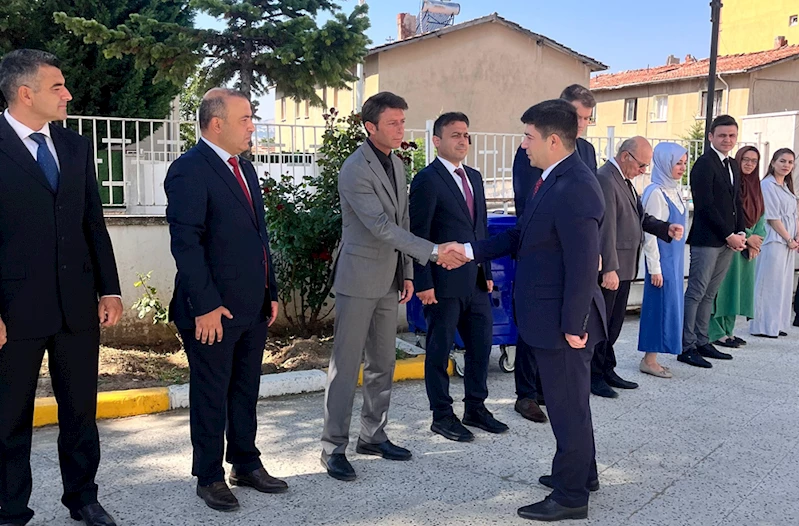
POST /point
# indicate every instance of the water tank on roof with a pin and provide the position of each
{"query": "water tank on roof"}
(436, 14)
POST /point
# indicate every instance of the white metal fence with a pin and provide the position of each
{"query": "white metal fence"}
(132, 156)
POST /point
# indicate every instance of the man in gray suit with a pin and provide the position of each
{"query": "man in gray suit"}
(374, 269)
(621, 236)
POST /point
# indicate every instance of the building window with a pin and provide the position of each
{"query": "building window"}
(793, 20)
(630, 110)
(296, 110)
(661, 112)
(283, 108)
(324, 99)
(716, 104)
(307, 109)
(335, 98)
(592, 120)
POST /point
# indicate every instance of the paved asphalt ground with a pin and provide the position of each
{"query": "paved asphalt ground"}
(708, 447)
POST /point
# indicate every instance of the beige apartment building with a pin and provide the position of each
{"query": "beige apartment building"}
(664, 102)
(752, 25)
(490, 68)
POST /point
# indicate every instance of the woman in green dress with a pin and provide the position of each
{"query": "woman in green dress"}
(736, 297)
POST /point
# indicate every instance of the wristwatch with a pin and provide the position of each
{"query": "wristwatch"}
(434, 255)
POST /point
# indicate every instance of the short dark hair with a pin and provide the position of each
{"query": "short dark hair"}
(554, 117)
(445, 119)
(575, 92)
(377, 104)
(213, 105)
(20, 67)
(722, 120)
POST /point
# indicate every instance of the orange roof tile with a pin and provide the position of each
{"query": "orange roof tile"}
(693, 69)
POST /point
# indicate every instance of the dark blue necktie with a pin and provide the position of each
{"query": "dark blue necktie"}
(46, 160)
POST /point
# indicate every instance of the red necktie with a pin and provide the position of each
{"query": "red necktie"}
(467, 192)
(538, 185)
(234, 162)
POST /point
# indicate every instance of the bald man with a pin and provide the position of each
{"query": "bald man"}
(621, 236)
(225, 295)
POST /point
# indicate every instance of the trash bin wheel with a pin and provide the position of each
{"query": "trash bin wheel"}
(505, 363)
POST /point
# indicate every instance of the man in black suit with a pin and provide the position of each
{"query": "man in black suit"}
(447, 202)
(225, 295)
(558, 303)
(621, 237)
(718, 230)
(529, 395)
(58, 285)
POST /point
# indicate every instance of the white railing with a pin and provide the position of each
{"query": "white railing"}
(132, 156)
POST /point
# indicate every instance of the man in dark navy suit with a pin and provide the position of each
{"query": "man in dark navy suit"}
(559, 307)
(225, 295)
(447, 202)
(58, 285)
(529, 395)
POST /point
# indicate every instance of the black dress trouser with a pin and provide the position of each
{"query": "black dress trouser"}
(472, 318)
(604, 360)
(73, 362)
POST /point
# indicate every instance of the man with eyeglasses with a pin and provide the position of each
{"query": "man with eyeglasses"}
(621, 237)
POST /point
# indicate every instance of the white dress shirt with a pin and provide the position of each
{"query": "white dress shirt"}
(458, 181)
(24, 134)
(656, 206)
(225, 156)
(723, 158)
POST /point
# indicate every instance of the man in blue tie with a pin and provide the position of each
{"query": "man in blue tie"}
(58, 285)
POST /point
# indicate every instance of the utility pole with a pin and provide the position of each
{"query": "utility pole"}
(715, 18)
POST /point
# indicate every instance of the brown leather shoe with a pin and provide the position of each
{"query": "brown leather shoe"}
(260, 480)
(530, 410)
(218, 496)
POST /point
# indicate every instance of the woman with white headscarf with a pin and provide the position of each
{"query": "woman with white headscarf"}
(662, 309)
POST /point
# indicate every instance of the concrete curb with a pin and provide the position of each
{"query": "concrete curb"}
(119, 404)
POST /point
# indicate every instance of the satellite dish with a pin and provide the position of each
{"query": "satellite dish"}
(436, 14)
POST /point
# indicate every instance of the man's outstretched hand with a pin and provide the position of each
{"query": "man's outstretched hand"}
(452, 255)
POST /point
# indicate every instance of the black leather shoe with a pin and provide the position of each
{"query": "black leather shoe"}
(339, 467)
(450, 427)
(740, 341)
(614, 380)
(708, 351)
(730, 344)
(218, 496)
(549, 510)
(530, 410)
(483, 419)
(601, 388)
(546, 480)
(93, 515)
(260, 480)
(783, 333)
(765, 336)
(386, 449)
(691, 357)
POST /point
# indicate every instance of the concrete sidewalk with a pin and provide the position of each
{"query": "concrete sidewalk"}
(709, 447)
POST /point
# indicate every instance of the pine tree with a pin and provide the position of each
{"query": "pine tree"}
(264, 43)
(99, 85)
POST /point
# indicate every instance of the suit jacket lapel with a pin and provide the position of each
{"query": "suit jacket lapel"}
(224, 172)
(477, 192)
(722, 172)
(625, 190)
(449, 181)
(19, 153)
(534, 200)
(377, 168)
